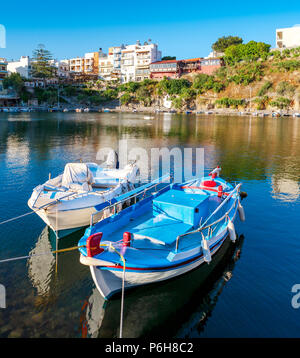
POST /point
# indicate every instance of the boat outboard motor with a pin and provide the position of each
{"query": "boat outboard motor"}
(112, 160)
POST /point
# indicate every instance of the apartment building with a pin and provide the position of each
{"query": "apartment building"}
(192, 65)
(136, 60)
(89, 64)
(176, 69)
(3, 72)
(288, 37)
(8, 97)
(61, 68)
(145, 55)
(21, 66)
(210, 65)
(167, 68)
(110, 65)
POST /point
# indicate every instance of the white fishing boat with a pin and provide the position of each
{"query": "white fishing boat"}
(66, 202)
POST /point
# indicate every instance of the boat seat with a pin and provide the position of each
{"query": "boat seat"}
(161, 228)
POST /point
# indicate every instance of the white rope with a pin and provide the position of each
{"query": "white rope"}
(24, 257)
(17, 217)
(122, 303)
(38, 209)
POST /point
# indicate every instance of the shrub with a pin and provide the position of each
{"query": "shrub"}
(230, 102)
(173, 86)
(203, 83)
(261, 103)
(281, 102)
(126, 98)
(177, 102)
(110, 94)
(288, 66)
(264, 88)
(285, 88)
(247, 73)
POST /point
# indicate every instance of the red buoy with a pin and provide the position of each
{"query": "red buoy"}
(93, 244)
(126, 238)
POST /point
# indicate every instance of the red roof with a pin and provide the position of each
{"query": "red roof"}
(165, 61)
(193, 59)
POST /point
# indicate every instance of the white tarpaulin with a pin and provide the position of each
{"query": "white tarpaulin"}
(76, 173)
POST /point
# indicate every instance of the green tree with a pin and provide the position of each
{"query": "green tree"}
(223, 42)
(15, 82)
(125, 99)
(41, 66)
(249, 52)
(167, 58)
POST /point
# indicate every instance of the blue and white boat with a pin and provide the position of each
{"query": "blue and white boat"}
(165, 234)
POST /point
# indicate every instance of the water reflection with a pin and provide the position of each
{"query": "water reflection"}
(52, 274)
(285, 189)
(172, 308)
(247, 147)
(262, 153)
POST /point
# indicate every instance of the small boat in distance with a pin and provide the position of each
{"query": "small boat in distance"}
(166, 234)
(65, 203)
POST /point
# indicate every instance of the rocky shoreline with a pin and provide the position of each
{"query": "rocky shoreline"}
(154, 110)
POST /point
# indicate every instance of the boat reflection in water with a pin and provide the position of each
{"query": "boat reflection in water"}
(167, 309)
(42, 266)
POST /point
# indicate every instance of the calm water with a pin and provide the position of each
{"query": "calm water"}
(248, 291)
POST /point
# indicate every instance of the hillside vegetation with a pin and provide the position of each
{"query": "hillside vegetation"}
(254, 77)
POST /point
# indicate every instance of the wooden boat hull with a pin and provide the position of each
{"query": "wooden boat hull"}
(109, 280)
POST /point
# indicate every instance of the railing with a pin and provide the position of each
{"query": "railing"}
(210, 228)
(133, 194)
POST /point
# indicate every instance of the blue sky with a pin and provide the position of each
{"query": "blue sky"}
(185, 29)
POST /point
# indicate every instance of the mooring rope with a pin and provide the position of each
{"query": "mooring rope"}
(16, 217)
(123, 286)
(42, 254)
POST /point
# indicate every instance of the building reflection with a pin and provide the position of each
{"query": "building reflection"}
(285, 189)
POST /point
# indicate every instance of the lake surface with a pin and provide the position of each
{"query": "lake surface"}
(248, 292)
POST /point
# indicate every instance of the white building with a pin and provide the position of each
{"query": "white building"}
(23, 66)
(136, 60)
(89, 64)
(145, 55)
(110, 65)
(288, 37)
(62, 68)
